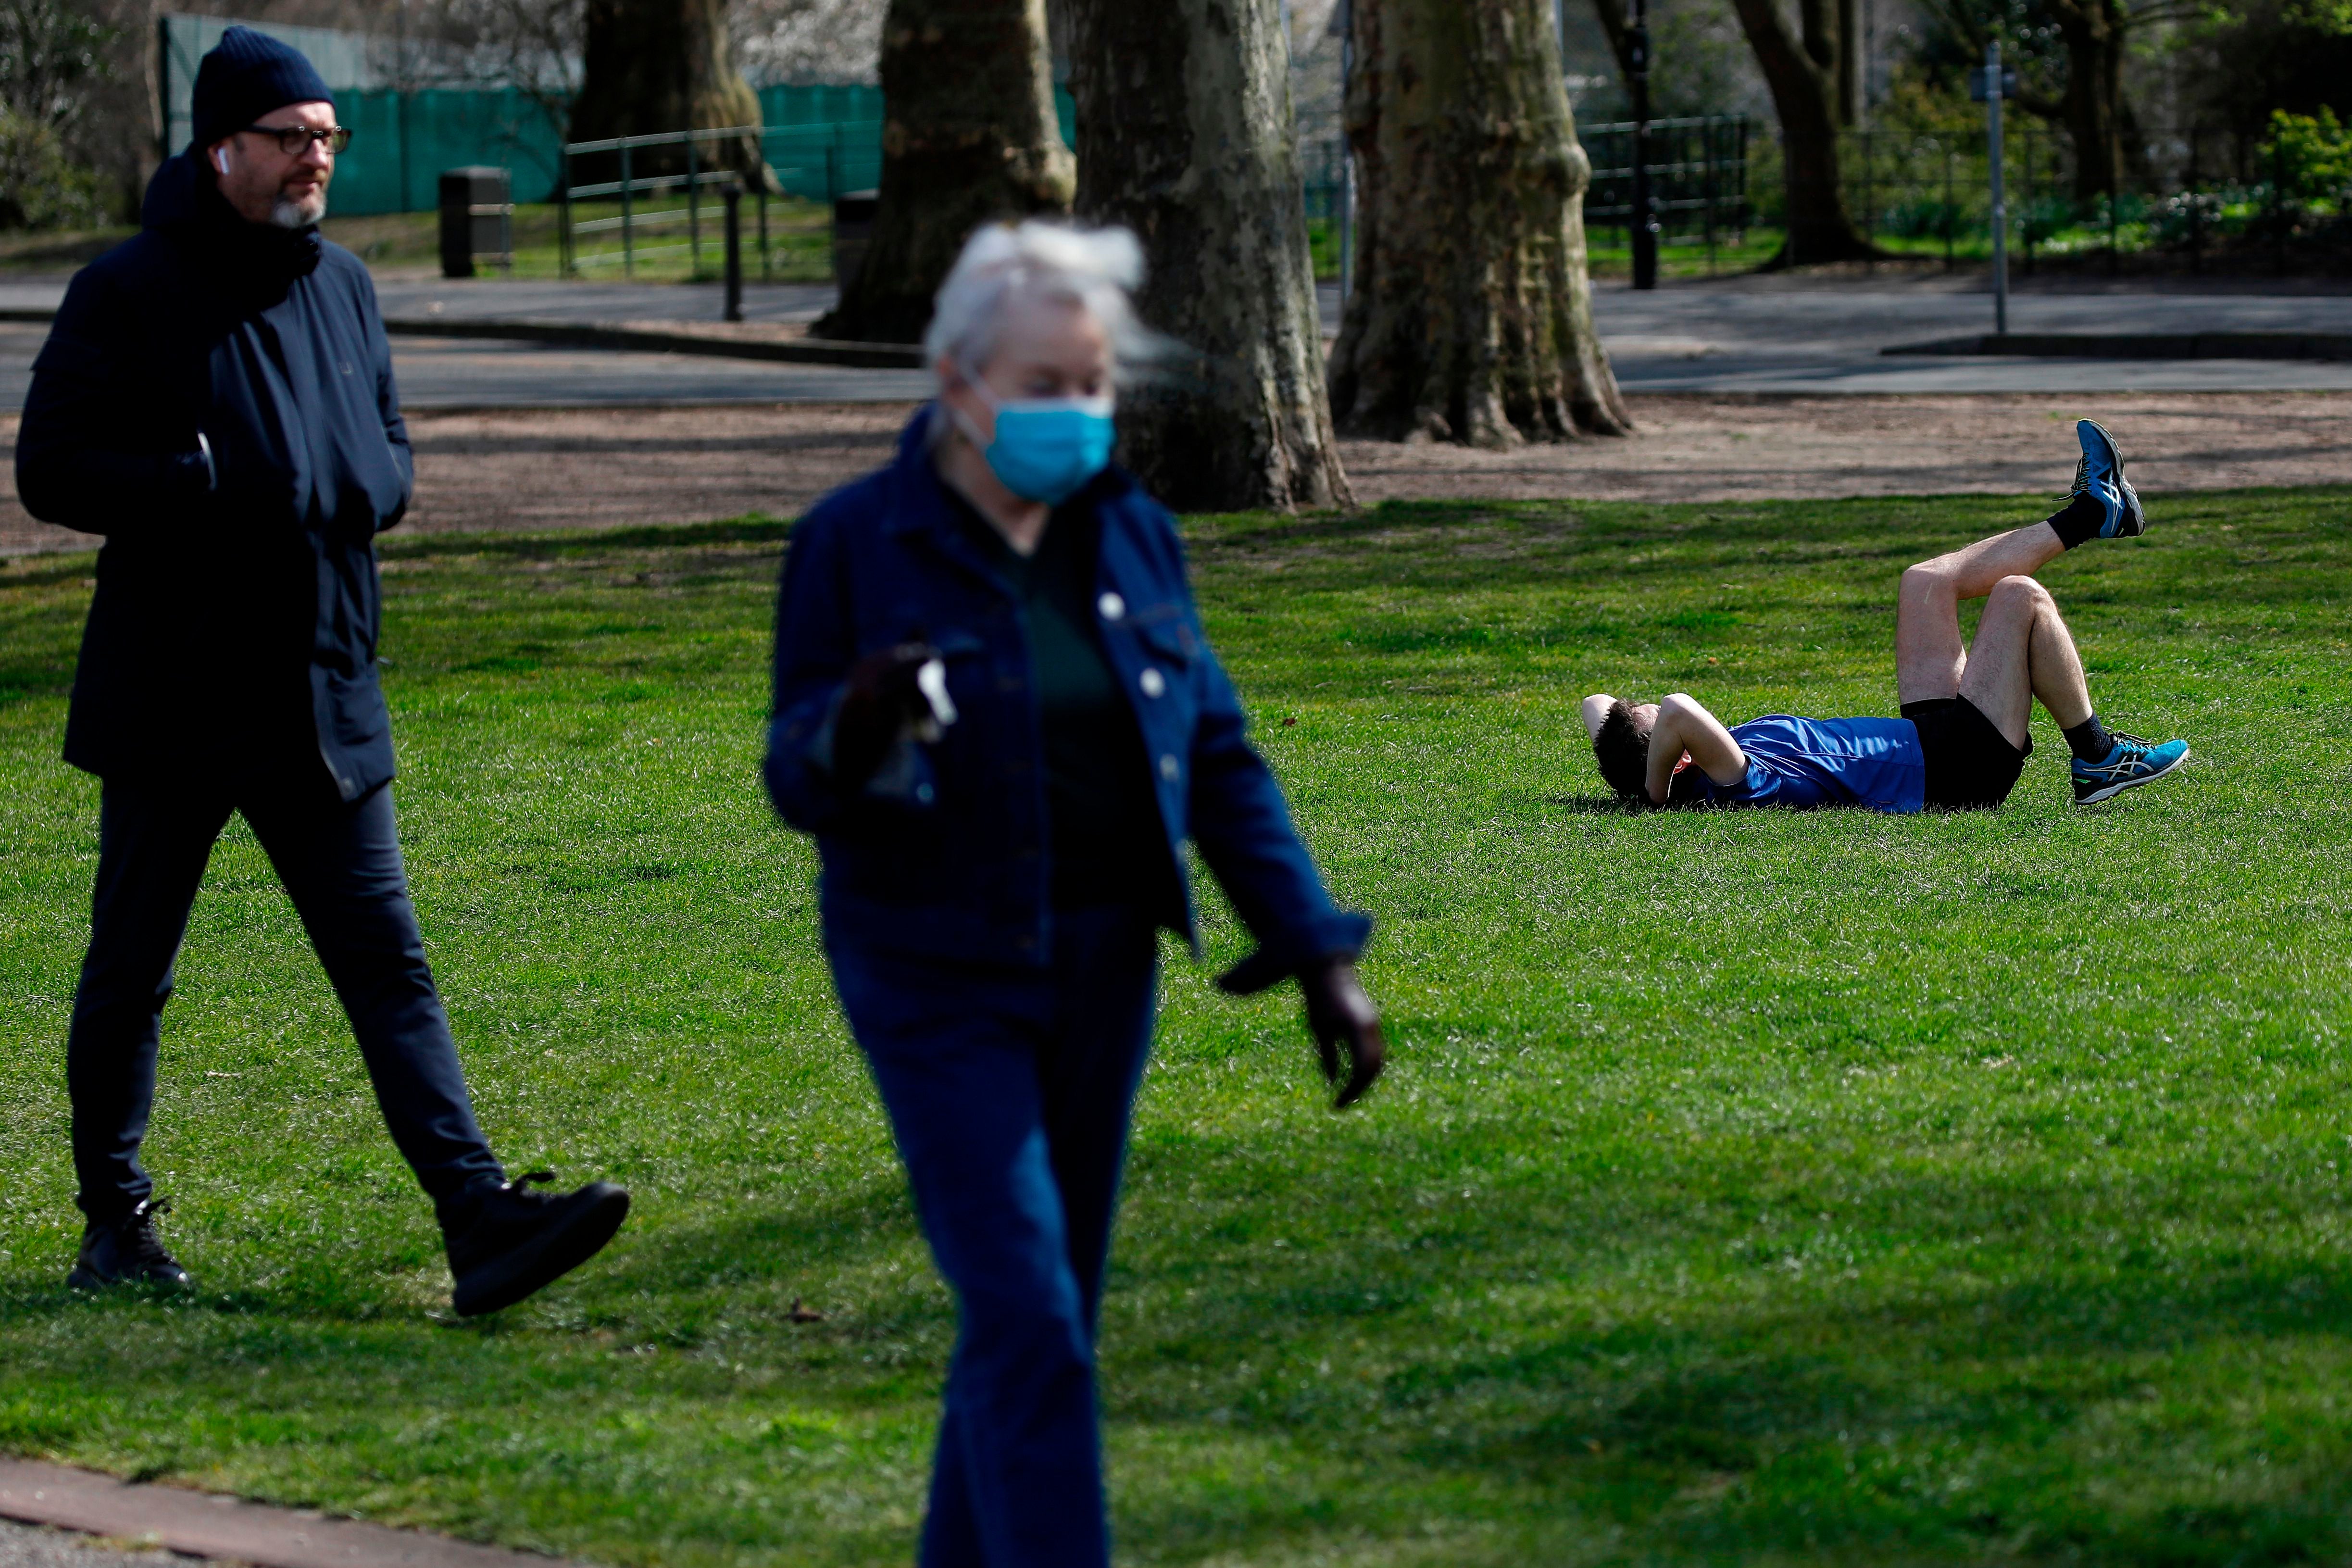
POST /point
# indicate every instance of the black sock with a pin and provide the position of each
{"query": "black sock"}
(2082, 520)
(2090, 741)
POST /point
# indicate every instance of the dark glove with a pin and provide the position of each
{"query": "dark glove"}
(880, 703)
(1340, 1013)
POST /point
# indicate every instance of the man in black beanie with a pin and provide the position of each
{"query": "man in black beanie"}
(217, 399)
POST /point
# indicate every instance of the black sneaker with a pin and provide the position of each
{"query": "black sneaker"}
(127, 1252)
(516, 1241)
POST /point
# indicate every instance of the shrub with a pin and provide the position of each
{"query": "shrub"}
(40, 186)
(2310, 156)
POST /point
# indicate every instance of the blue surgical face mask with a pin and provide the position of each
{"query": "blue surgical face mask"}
(1047, 449)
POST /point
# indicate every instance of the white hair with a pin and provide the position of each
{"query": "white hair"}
(1004, 264)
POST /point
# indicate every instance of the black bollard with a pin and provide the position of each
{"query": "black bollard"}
(734, 197)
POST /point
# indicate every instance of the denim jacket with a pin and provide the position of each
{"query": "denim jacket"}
(943, 852)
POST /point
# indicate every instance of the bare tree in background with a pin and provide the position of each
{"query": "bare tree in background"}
(53, 57)
(2095, 38)
(656, 65)
(1812, 71)
(970, 135)
(1185, 136)
(808, 41)
(1471, 315)
(532, 46)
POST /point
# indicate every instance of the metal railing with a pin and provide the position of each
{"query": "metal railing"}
(818, 161)
(2195, 195)
(1699, 179)
(630, 185)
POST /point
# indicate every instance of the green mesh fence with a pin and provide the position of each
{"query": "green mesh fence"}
(402, 141)
(821, 140)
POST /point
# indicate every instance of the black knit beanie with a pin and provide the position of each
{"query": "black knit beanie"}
(245, 76)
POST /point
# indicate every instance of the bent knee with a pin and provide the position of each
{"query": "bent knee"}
(1929, 578)
(2018, 590)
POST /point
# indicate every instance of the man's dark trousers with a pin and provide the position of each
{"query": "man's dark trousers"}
(341, 862)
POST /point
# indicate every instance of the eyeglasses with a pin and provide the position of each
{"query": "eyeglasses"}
(295, 140)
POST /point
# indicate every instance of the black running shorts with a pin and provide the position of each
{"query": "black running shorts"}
(1970, 764)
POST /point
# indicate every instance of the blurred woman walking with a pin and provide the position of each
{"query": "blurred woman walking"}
(997, 714)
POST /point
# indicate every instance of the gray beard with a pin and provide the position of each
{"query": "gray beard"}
(287, 214)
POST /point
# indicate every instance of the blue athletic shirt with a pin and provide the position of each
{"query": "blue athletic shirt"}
(1802, 763)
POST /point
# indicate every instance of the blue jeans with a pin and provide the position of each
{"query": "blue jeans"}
(1008, 1091)
(341, 862)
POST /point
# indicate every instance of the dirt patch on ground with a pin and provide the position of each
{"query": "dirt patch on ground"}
(598, 468)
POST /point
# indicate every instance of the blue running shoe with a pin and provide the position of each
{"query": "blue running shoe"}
(2099, 474)
(2133, 763)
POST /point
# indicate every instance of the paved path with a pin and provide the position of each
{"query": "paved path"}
(202, 1525)
(1747, 336)
(1728, 338)
(37, 1546)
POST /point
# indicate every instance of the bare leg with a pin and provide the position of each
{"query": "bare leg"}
(2022, 651)
(1930, 657)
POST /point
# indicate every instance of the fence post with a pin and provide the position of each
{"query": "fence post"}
(1869, 207)
(564, 214)
(2027, 229)
(2278, 200)
(1743, 180)
(1708, 128)
(2115, 203)
(628, 210)
(693, 210)
(2196, 210)
(1993, 106)
(732, 193)
(1948, 209)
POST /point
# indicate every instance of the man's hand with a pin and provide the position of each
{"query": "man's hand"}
(1340, 1014)
(881, 701)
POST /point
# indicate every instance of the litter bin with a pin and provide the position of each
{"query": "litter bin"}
(476, 220)
(853, 230)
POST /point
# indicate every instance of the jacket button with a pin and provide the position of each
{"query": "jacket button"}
(1168, 769)
(1112, 606)
(1152, 682)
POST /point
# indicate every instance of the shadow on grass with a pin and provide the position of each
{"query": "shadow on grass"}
(1897, 1402)
(1594, 804)
(752, 528)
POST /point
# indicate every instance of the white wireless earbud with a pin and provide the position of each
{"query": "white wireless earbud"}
(220, 160)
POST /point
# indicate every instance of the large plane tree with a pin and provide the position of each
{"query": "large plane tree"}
(1470, 318)
(969, 135)
(1185, 136)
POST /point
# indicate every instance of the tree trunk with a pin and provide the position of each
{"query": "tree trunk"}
(969, 136)
(2095, 32)
(1803, 80)
(1849, 62)
(1185, 136)
(656, 65)
(1471, 315)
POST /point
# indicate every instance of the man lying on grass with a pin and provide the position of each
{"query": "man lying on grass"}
(1962, 739)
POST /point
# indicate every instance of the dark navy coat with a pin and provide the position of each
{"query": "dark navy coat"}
(944, 852)
(238, 599)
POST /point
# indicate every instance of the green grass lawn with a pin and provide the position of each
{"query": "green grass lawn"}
(1746, 1188)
